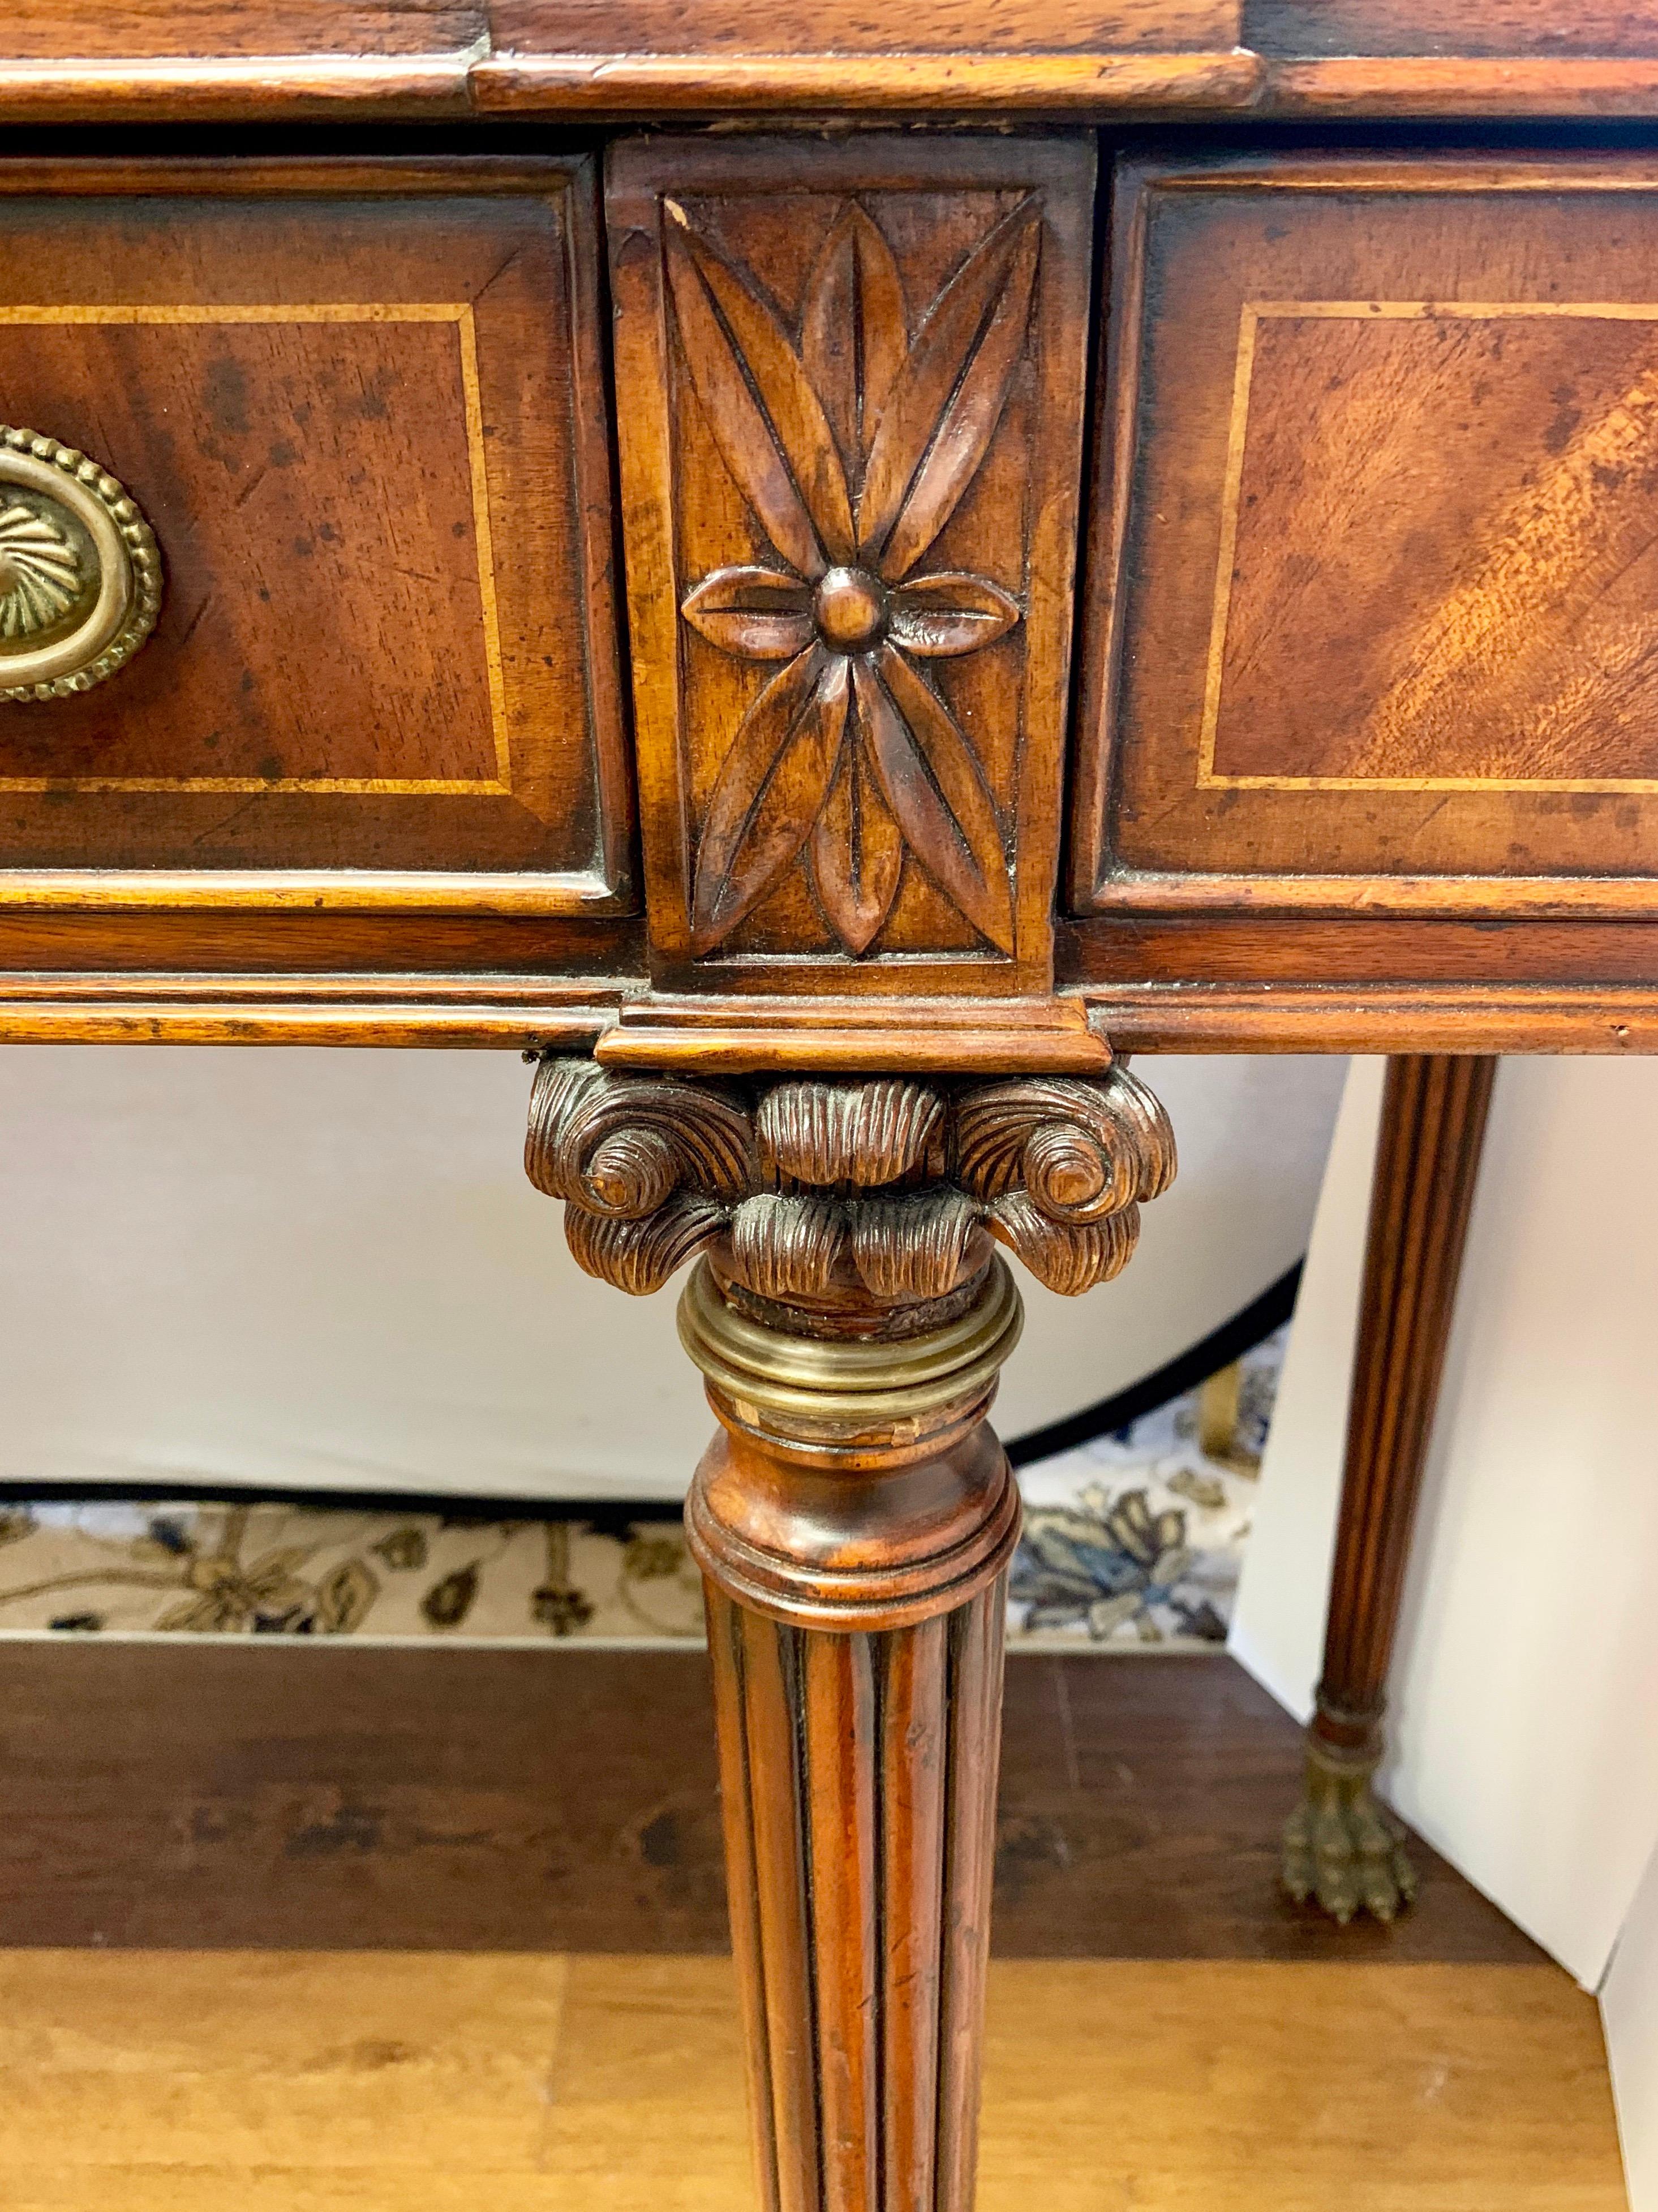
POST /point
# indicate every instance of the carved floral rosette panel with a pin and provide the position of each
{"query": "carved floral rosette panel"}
(852, 381)
(862, 1197)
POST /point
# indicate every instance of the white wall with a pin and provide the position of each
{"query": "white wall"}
(290, 1268)
(1628, 2003)
(1525, 1696)
(1252, 1134)
(1278, 1626)
(1533, 1595)
(306, 1267)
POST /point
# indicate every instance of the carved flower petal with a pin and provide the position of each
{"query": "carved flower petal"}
(949, 612)
(947, 403)
(936, 788)
(759, 614)
(770, 785)
(857, 852)
(854, 333)
(766, 419)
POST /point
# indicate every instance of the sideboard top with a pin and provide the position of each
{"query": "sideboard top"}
(139, 60)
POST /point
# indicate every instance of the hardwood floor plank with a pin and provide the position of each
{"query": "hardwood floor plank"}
(190, 1794)
(168, 2188)
(1292, 2088)
(1142, 1805)
(646, 2111)
(415, 2082)
(1149, 2087)
(380, 2061)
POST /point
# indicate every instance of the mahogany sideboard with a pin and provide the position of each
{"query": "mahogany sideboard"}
(829, 574)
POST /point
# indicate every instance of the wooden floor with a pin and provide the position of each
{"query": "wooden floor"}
(398, 2082)
(283, 1795)
(498, 1864)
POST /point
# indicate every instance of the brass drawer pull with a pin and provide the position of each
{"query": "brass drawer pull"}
(80, 570)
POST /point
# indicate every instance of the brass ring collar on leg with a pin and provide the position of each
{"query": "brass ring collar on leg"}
(858, 1386)
(858, 1486)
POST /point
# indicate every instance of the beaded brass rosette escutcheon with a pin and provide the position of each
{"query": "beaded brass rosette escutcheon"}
(80, 570)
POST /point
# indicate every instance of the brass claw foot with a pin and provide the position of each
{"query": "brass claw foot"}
(1341, 1847)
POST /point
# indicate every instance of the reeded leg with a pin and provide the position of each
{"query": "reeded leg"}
(853, 1519)
(859, 1776)
(856, 1593)
(1340, 1845)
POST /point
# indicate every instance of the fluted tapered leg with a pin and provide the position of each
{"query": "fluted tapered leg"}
(858, 1773)
(1341, 1846)
(856, 1585)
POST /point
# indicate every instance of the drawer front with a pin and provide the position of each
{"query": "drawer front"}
(1383, 532)
(361, 408)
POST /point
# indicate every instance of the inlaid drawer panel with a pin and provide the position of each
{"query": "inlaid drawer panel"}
(1379, 547)
(361, 405)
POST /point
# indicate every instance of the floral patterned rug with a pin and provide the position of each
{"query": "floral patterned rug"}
(1132, 1541)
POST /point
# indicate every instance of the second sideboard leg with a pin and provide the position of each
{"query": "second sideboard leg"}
(1341, 1846)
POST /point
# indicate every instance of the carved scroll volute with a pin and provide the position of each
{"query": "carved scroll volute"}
(1061, 1168)
(847, 1195)
(648, 1168)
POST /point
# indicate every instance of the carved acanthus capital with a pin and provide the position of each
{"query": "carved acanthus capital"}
(847, 1198)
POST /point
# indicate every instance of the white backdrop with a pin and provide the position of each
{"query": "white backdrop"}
(296, 1267)
(1630, 2002)
(1525, 1694)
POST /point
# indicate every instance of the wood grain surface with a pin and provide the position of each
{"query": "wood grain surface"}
(1313, 29)
(362, 2082)
(274, 59)
(171, 1795)
(112, 30)
(1480, 622)
(234, 954)
(1433, 1126)
(1348, 948)
(1429, 462)
(1368, 706)
(850, 381)
(943, 27)
(1485, 87)
(1330, 1017)
(360, 405)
